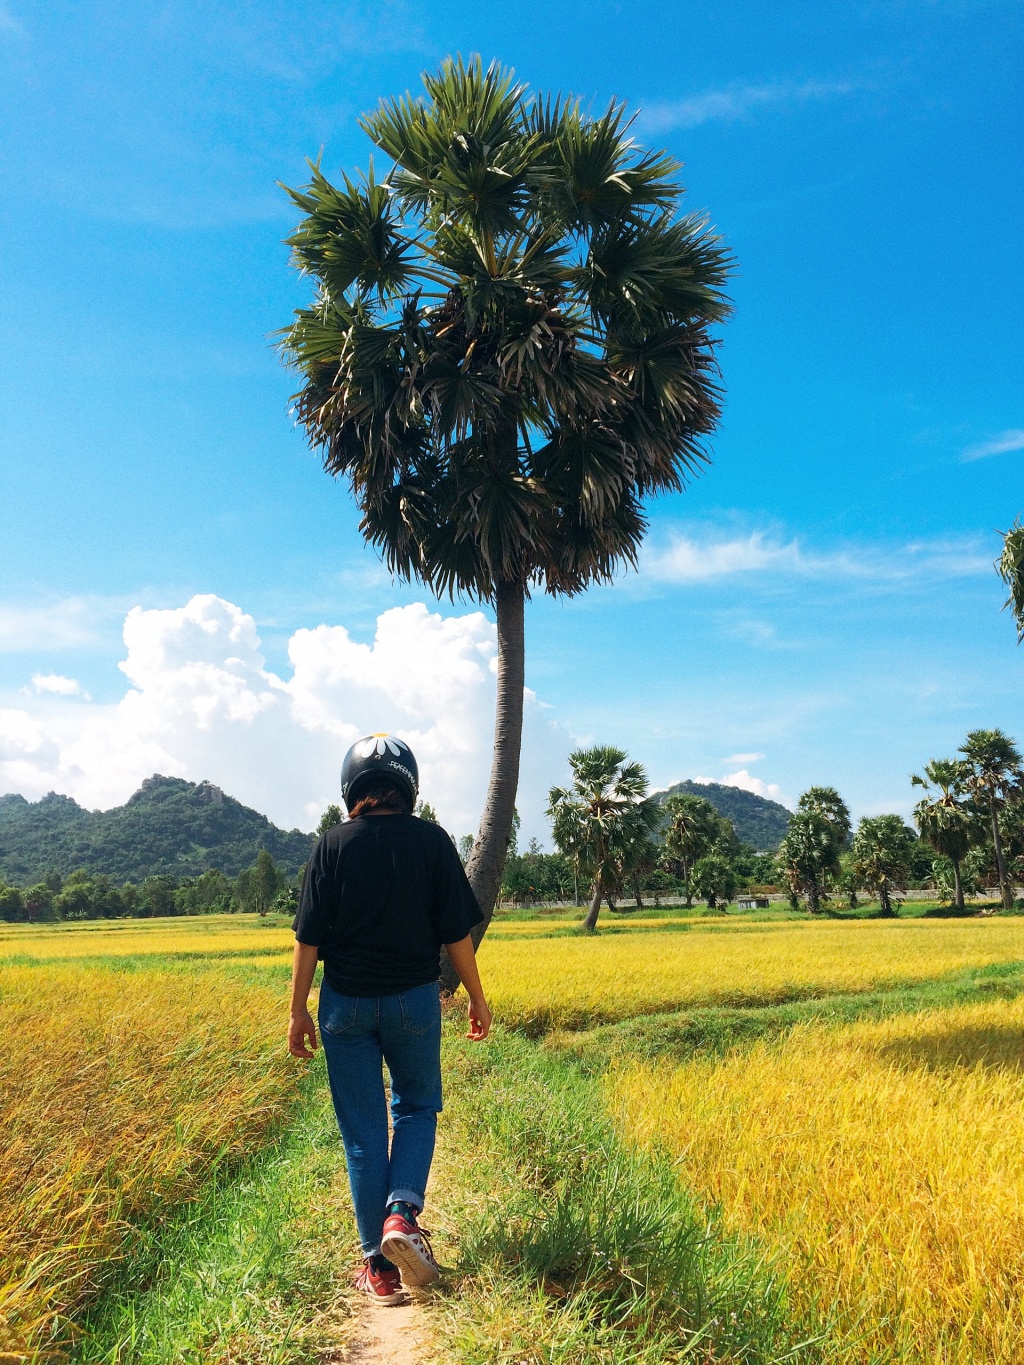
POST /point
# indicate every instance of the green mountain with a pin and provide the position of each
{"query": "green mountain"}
(757, 821)
(168, 827)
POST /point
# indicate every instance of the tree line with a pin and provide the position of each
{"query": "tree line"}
(971, 817)
(84, 895)
(613, 838)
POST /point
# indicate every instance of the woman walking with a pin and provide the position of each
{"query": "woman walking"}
(382, 893)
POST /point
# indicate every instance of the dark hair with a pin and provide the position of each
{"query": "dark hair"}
(379, 795)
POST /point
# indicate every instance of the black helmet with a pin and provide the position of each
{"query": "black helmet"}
(379, 756)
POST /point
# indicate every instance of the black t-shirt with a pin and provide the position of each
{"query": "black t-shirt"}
(381, 895)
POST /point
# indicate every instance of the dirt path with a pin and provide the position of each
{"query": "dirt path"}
(402, 1335)
(392, 1336)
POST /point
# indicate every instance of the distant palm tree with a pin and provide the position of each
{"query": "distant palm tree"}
(601, 818)
(1010, 567)
(993, 775)
(943, 816)
(826, 802)
(808, 854)
(642, 858)
(881, 857)
(691, 832)
(509, 350)
(714, 880)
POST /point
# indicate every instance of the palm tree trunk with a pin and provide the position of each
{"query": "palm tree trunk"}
(813, 896)
(487, 861)
(884, 902)
(590, 923)
(958, 884)
(1004, 876)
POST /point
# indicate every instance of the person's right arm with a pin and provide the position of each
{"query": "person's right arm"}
(301, 1029)
(309, 932)
(463, 959)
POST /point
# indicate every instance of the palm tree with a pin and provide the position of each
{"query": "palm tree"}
(809, 852)
(714, 880)
(508, 352)
(1010, 567)
(641, 858)
(943, 818)
(881, 857)
(847, 882)
(826, 802)
(693, 827)
(599, 820)
(993, 776)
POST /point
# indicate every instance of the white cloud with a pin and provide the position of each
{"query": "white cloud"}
(760, 634)
(736, 102)
(201, 703)
(58, 684)
(71, 623)
(1000, 444)
(745, 758)
(748, 783)
(685, 558)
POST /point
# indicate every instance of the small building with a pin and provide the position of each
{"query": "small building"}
(752, 902)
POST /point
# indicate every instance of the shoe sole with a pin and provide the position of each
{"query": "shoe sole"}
(417, 1272)
(382, 1300)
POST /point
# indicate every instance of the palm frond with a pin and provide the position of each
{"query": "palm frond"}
(350, 237)
(641, 274)
(599, 174)
(1010, 567)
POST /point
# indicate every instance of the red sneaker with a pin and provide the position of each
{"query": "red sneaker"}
(382, 1286)
(406, 1244)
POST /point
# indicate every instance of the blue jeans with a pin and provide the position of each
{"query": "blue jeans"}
(358, 1033)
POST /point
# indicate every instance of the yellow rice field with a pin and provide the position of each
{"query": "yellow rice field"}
(118, 1092)
(577, 981)
(886, 1159)
(213, 934)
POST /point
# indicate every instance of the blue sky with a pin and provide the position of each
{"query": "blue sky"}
(818, 607)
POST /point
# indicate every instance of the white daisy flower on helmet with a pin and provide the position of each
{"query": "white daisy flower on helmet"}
(379, 744)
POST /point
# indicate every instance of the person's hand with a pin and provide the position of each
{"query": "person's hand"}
(479, 1020)
(301, 1031)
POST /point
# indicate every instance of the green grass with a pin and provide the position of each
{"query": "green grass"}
(678, 1035)
(255, 1270)
(574, 1250)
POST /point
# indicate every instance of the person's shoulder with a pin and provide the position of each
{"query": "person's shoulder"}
(338, 836)
(429, 828)
(434, 836)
